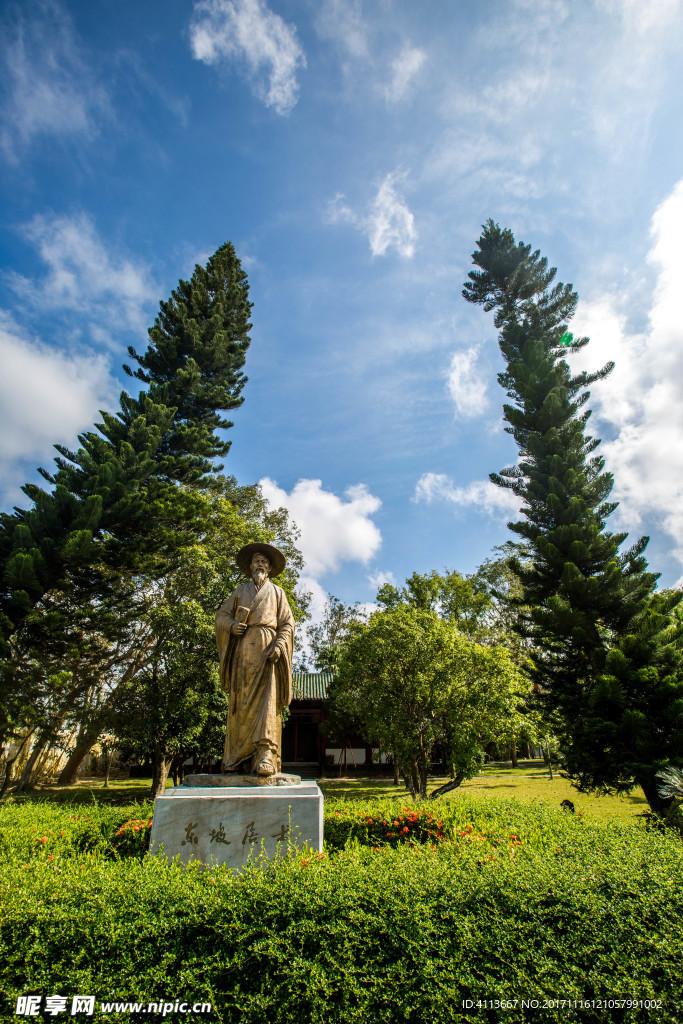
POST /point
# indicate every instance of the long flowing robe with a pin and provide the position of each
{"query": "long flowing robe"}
(258, 689)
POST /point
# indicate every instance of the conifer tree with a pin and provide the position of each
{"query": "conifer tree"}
(117, 497)
(606, 653)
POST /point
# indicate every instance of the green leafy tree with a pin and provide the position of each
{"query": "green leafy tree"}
(167, 707)
(604, 647)
(414, 680)
(327, 637)
(204, 571)
(479, 606)
(463, 600)
(175, 704)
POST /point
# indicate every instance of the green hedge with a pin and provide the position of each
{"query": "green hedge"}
(569, 910)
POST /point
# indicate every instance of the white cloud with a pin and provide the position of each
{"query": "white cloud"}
(568, 86)
(333, 530)
(249, 34)
(342, 22)
(482, 494)
(318, 599)
(467, 383)
(404, 69)
(639, 19)
(48, 86)
(46, 396)
(643, 397)
(379, 578)
(83, 275)
(388, 223)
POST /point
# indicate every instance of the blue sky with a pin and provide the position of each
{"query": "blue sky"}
(350, 150)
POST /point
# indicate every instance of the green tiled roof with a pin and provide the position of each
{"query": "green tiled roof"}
(310, 685)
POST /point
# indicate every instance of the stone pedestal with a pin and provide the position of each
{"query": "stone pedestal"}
(231, 820)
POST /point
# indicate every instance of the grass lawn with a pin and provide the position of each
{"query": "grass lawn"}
(530, 782)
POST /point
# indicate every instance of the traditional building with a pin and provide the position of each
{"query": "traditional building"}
(305, 747)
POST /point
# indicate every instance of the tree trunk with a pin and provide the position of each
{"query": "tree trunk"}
(409, 784)
(414, 780)
(546, 757)
(8, 775)
(177, 769)
(650, 787)
(513, 752)
(89, 732)
(108, 755)
(424, 774)
(38, 747)
(161, 764)
(448, 786)
(87, 738)
(397, 772)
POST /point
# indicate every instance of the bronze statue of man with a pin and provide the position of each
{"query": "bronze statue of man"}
(255, 636)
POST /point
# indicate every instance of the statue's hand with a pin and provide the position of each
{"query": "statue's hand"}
(274, 654)
(238, 628)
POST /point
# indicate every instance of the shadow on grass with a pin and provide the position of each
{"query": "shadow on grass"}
(117, 794)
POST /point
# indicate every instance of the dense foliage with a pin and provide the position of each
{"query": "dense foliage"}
(413, 680)
(605, 647)
(560, 909)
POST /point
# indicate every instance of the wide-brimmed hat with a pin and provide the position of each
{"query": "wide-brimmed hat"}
(274, 555)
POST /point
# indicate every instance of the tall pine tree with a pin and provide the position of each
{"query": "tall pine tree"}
(116, 499)
(605, 650)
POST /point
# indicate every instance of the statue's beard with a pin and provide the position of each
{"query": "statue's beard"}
(259, 577)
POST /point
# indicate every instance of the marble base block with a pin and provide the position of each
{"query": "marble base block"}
(233, 825)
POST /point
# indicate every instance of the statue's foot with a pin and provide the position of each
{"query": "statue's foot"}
(265, 767)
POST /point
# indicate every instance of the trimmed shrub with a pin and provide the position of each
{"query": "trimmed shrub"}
(132, 838)
(423, 933)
